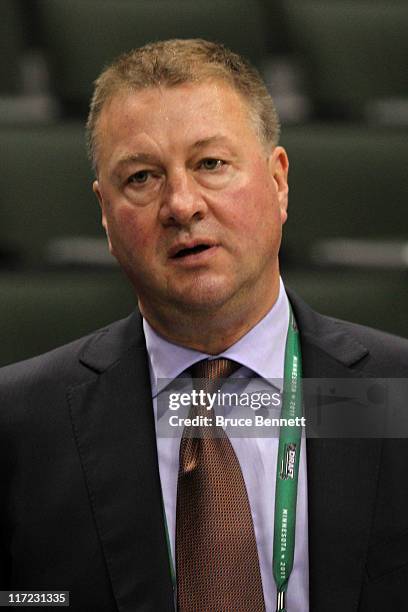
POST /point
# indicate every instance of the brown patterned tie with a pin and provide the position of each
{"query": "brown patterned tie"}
(216, 553)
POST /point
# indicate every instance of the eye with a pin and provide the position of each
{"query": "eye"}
(211, 163)
(139, 177)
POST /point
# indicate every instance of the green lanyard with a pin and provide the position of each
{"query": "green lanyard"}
(287, 468)
(286, 471)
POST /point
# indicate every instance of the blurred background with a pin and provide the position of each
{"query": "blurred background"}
(338, 71)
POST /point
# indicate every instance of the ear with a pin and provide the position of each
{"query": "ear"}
(97, 191)
(279, 167)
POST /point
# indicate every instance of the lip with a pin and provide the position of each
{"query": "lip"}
(193, 259)
(190, 244)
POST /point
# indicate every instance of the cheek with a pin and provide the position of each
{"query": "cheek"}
(251, 205)
(132, 231)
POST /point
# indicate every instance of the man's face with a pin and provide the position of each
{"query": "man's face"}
(192, 202)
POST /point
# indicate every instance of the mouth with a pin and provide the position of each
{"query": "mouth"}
(199, 248)
(194, 251)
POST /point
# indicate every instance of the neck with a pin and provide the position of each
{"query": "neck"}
(209, 331)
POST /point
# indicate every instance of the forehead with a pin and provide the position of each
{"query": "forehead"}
(173, 115)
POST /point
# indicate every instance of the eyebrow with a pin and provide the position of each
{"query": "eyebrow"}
(147, 158)
(218, 138)
(142, 158)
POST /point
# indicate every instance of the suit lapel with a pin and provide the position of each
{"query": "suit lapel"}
(113, 424)
(342, 474)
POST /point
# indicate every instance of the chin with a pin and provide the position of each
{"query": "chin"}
(202, 296)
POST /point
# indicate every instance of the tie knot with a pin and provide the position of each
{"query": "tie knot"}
(214, 369)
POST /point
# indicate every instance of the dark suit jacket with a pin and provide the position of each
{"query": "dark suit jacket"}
(80, 497)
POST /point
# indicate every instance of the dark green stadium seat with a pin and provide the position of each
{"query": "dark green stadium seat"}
(277, 36)
(377, 299)
(355, 53)
(45, 189)
(12, 45)
(83, 35)
(40, 311)
(344, 182)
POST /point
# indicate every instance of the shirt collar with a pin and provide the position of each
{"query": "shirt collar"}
(262, 349)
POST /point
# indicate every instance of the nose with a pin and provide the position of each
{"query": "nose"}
(182, 202)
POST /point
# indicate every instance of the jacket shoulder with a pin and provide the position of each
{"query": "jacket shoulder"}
(382, 354)
(388, 351)
(64, 365)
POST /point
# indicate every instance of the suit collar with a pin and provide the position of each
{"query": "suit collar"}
(112, 343)
(325, 334)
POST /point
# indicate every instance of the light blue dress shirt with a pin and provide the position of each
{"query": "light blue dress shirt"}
(261, 352)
